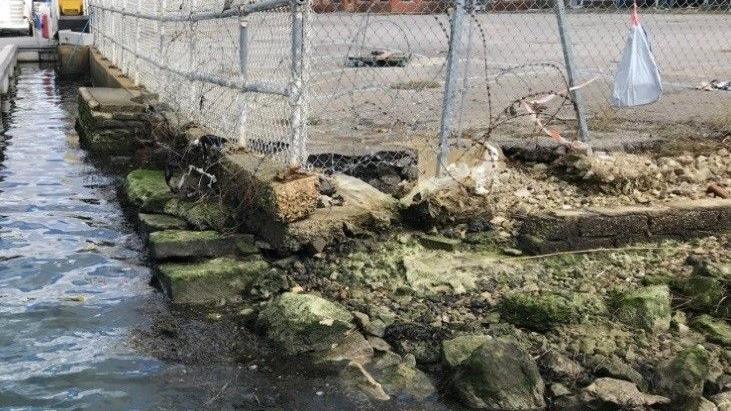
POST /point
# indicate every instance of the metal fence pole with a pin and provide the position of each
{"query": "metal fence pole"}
(138, 36)
(191, 58)
(451, 84)
(298, 83)
(568, 56)
(243, 73)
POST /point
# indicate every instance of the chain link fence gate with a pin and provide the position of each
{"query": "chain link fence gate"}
(359, 86)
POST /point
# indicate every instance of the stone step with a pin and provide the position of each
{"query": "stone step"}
(210, 281)
(182, 244)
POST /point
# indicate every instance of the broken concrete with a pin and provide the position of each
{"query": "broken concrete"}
(605, 228)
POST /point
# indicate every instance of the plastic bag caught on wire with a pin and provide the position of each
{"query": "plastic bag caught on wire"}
(637, 81)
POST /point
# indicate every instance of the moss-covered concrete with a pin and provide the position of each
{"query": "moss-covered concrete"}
(191, 244)
(201, 214)
(147, 190)
(158, 222)
(209, 281)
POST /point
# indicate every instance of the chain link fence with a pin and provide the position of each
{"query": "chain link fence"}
(409, 85)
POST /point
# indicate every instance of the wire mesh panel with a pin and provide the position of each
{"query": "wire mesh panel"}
(411, 84)
(691, 43)
(189, 52)
(377, 74)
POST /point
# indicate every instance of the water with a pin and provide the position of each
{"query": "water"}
(79, 325)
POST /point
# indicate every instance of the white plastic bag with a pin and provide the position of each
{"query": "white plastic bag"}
(637, 81)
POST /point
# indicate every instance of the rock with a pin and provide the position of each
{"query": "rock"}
(706, 405)
(405, 380)
(386, 359)
(357, 377)
(436, 242)
(558, 367)
(159, 222)
(682, 378)
(647, 308)
(147, 190)
(717, 331)
(458, 349)
(379, 344)
(376, 328)
(610, 393)
(208, 281)
(706, 294)
(304, 322)
(353, 347)
(191, 244)
(432, 274)
(246, 246)
(202, 214)
(499, 375)
(541, 312)
(722, 401)
(614, 367)
(558, 390)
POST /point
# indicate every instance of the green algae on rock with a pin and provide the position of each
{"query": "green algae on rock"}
(647, 308)
(406, 380)
(499, 375)
(201, 214)
(302, 323)
(683, 377)
(159, 222)
(544, 311)
(458, 349)
(147, 190)
(209, 281)
(715, 330)
(191, 244)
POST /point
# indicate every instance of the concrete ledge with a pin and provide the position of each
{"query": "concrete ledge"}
(106, 74)
(605, 227)
(8, 59)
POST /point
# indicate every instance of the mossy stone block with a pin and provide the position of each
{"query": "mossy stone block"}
(201, 214)
(191, 244)
(715, 330)
(160, 222)
(647, 308)
(209, 281)
(147, 190)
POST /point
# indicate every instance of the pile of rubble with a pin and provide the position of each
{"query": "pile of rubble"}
(111, 120)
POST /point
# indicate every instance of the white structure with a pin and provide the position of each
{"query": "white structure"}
(15, 15)
(8, 59)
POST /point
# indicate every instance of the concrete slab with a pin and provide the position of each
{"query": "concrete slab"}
(604, 228)
(8, 59)
(110, 100)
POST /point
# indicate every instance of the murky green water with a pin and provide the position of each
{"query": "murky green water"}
(79, 325)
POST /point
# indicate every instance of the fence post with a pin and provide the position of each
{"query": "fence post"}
(298, 83)
(568, 56)
(243, 72)
(450, 87)
(138, 36)
(191, 57)
(161, 9)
